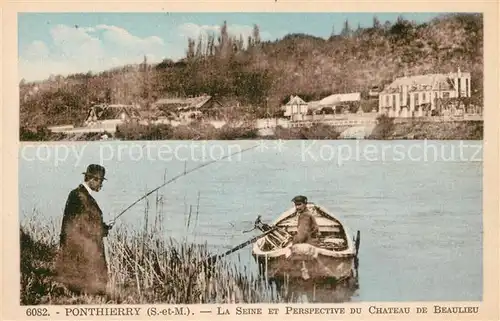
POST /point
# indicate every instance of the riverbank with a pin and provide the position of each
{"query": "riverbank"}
(193, 131)
(385, 129)
(143, 268)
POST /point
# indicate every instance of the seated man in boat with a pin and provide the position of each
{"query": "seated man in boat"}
(307, 228)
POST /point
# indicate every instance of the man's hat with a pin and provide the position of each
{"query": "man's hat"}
(299, 199)
(95, 170)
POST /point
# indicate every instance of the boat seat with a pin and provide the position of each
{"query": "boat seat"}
(333, 240)
(329, 229)
(333, 243)
(321, 221)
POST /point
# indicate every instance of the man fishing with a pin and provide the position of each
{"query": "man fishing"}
(81, 263)
(307, 228)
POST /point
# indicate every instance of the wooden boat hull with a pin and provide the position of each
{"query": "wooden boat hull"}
(316, 268)
(332, 256)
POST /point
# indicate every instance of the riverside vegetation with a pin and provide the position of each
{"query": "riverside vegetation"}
(387, 129)
(255, 77)
(144, 267)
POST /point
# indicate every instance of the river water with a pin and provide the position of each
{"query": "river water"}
(418, 204)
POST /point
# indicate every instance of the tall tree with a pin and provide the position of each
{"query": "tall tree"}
(211, 44)
(190, 51)
(346, 31)
(241, 43)
(376, 23)
(144, 66)
(145, 89)
(256, 34)
(199, 47)
(332, 34)
(224, 41)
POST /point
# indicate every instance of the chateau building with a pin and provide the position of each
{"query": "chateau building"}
(405, 96)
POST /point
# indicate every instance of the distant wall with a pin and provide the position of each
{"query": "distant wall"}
(99, 127)
(271, 123)
(466, 117)
(61, 129)
(266, 125)
(330, 119)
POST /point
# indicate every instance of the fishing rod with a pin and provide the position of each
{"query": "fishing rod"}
(213, 258)
(175, 178)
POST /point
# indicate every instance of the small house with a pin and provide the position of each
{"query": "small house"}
(104, 114)
(296, 108)
(185, 108)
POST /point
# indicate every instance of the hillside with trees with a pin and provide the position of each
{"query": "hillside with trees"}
(261, 75)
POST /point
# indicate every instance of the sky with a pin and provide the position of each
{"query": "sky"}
(67, 43)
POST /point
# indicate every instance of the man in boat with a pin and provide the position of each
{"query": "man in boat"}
(307, 228)
(81, 264)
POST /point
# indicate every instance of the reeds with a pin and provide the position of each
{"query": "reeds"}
(144, 266)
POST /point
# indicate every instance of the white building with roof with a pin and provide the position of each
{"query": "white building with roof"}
(334, 100)
(187, 107)
(111, 114)
(405, 95)
(295, 108)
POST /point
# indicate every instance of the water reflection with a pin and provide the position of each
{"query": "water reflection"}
(317, 289)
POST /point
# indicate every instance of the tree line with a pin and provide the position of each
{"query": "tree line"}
(261, 75)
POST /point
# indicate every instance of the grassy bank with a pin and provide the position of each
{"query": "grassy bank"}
(386, 129)
(143, 268)
(194, 131)
(206, 131)
(44, 134)
(320, 131)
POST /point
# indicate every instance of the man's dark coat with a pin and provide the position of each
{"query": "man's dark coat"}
(307, 228)
(82, 263)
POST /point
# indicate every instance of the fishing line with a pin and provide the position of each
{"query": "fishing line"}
(175, 178)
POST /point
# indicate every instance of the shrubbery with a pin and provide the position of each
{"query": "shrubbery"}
(194, 131)
(319, 131)
(41, 133)
(384, 127)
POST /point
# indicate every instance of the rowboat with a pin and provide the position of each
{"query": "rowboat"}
(333, 255)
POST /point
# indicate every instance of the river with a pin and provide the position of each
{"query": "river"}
(418, 204)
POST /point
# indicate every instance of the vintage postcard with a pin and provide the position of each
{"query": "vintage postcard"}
(278, 160)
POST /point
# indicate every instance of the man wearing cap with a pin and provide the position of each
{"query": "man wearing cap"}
(307, 228)
(82, 264)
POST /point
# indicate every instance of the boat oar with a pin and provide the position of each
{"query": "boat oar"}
(358, 236)
(213, 258)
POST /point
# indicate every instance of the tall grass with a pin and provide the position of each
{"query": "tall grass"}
(143, 266)
(167, 271)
